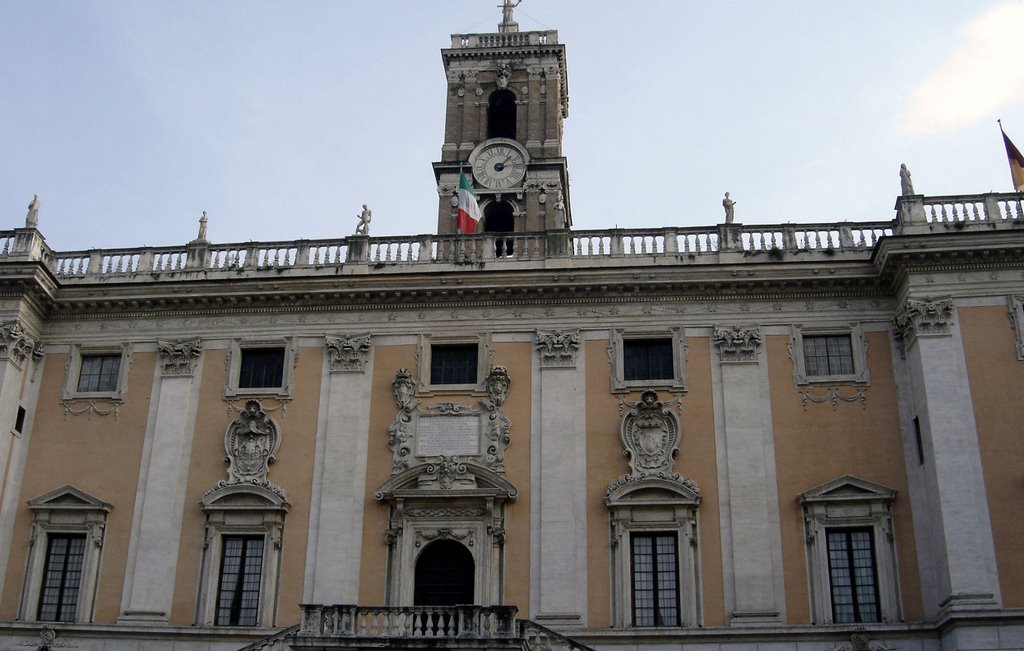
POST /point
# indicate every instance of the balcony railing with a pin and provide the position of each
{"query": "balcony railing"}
(721, 244)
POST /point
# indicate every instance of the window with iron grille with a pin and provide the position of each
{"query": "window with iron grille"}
(853, 575)
(454, 363)
(99, 373)
(241, 568)
(261, 368)
(62, 577)
(647, 359)
(826, 355)
(655, 579)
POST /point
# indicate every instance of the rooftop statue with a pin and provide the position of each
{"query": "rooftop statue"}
(32, 218)
(508, 23)
(730, 210)
(906, 183)
(363, 227)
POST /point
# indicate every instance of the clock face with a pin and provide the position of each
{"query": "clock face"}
(499, 166)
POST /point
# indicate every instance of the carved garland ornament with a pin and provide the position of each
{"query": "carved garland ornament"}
(16, 345)
(251, 443)
(923, 318)
(178, 358)
(557, 348)
(737, 344)
(650, 437)
(348, 353)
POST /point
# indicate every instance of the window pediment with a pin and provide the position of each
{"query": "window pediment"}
(448, 477)
(848, 489)
(653, 491)
(67, 498)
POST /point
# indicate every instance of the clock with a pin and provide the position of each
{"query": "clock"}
(499, 165)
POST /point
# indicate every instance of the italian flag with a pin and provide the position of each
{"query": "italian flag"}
(469, 209)
(1016, 160)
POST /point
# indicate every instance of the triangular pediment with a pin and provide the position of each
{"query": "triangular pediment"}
(69, 498)
(461, 479)
(848, 488)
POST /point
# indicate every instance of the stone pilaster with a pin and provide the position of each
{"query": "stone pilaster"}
(751, 544)
(160, 497)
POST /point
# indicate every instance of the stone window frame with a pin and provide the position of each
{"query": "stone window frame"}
(73, 369)
(652, 506)
(234, 368)
(64, 511)
(861, 375)
(844, 503)
(676, 383)
(483, 362)
(241, 510)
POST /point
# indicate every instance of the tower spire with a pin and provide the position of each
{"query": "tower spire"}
(508, 23)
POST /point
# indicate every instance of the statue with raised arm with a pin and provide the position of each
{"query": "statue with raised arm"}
(730, 210)
(906, 184)
(32, 218)
(508, 23)
(363, 227)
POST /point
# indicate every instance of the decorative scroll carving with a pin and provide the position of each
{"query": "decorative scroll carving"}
(47, 639)
(251, 443)
(832, 394)
(923, 318)
(650, 438)
(504, 74)
(557, 348)
(90, 408)
(860, 641)
(178, 358)
(461, 535)
(446, 470)
(491, 435)
(737, 344)
(16, 345)
(348, 353)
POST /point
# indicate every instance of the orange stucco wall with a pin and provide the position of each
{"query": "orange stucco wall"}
(293, 471)
(996, 377)
(696, 460)
(819, 444)
(97, 454)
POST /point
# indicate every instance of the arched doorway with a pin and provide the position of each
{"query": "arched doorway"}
(499, 217)
(445, 575)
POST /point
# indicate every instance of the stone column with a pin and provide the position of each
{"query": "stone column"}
(339, 477)
(160, 497)
(959, 531)
(19, 356)
(751, 541)
(558, 501)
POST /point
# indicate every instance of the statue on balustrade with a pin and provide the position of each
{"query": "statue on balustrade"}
(906, 183)
(730, 210)
(363, 227)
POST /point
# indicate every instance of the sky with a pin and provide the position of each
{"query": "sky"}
(280, 119)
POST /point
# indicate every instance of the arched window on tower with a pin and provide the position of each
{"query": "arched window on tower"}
(501, 115)
(499, 218)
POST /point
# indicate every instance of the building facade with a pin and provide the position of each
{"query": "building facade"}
(722, 437)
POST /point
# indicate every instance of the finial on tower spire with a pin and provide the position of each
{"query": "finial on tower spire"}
(508, 23)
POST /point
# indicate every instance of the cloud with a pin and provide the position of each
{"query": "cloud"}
(983, 74)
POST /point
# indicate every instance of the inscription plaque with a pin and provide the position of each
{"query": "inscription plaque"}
(448, 435)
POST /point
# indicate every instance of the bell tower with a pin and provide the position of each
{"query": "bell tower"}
(507, 97)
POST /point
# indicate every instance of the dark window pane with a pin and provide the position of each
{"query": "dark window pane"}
(853, 575)
(453, 364)
(647, 359)
(62, 576)
(99, 373)
(828, 355)
(655, 580)
(262, 368)
(238, 594)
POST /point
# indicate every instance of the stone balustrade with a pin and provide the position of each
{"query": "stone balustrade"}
(721, 244)
(505, 39)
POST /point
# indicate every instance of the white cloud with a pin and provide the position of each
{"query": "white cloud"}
(983, 74)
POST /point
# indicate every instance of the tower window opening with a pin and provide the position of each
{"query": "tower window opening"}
(501, 115)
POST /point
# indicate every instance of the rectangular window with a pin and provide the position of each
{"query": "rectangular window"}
(99, 373)
(62, 576)
(453, 364)
(655, 579)
(261, 368)
(828, 355)
(241, 568)
(853, 575)
(647, 359)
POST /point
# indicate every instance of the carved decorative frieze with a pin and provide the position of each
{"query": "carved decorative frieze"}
(737, 344)
(860, 641)
(47, 639)
(178, 358)
(250, 444)
(833, 395)
(16, 345)
(462, 535)
(557, 348)
(650, 434)
(348, 353)
(923, 318)
(417, 436)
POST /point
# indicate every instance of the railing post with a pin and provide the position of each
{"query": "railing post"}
(302, 253)
(910, 214)
(556, 243)
(616, 242)
(28, 242)
(358, 249)
(197, 255)
(845, 237)
(730, 237)
(95, 260)
(145, 263)
(992, 211)
(671, 241)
